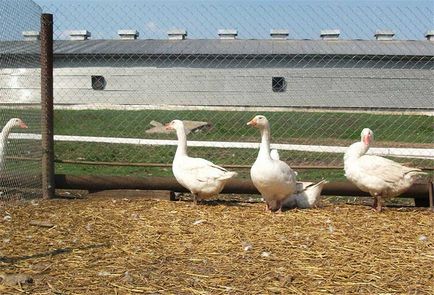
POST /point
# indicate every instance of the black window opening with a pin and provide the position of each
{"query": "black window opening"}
(98, 82)
(278, 84)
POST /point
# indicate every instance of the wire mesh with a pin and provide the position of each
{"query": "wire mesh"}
(319, 88)
(20, 151)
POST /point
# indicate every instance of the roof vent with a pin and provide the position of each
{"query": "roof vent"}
(31, 35)
(330, 34)
(383, 35)
(279, 34)
(430, 35)
(177, 34)
(128, 34)
(79, 35)
(228, 34)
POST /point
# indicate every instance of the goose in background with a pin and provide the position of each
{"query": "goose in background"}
(14, 122)
(273, 178)
(307, 194)
(274, 154)
(201, 177)
(380, 177)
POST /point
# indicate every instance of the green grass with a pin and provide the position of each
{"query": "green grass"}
(287, 127)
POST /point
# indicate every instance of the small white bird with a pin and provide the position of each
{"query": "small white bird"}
(273, 178)
(14, 122)
(380, 177)
(201, 177)
(307, 195)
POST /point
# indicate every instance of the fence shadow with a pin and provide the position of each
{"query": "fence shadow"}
(52, 252)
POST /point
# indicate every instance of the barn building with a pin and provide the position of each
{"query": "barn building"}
(227, 71)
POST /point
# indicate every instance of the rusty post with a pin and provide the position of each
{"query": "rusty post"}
(47, 105)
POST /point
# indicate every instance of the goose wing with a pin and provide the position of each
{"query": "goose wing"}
(388, 170)
(204, 170)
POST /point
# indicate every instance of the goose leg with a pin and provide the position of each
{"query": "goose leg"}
(375, 204)
(195, 201)
(379, 206)
(279, 207)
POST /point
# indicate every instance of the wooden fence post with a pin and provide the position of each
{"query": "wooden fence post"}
(48, 188)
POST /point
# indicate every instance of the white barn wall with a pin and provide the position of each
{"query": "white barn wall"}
(228, 82)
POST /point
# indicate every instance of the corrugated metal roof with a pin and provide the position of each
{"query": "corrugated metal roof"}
(227, 47)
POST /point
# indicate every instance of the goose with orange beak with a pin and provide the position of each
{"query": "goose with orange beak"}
(201, 177)
(273, 178)
(380, 177)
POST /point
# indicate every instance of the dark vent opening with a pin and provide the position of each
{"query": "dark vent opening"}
(98, 82)
(278, 84)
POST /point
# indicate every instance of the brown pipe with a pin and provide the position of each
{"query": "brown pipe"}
(236, 186)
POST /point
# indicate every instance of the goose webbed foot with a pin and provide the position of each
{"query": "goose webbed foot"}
(278, 207)
(267, 207)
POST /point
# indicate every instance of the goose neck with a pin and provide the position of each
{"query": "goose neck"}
(355, 151)
(182, 142)
(264, 148)
(5, 133)
(3, 138)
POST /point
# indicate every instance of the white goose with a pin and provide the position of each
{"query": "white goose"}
(14, 122)
(273, 178)
(376, 175)
(307, 194)
(201, 177)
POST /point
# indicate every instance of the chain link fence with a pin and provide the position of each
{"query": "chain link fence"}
(319, 73)
(20, 120)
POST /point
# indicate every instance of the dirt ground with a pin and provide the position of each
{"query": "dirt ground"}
(129, 245)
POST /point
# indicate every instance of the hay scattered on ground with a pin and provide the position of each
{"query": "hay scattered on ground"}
(136, 246)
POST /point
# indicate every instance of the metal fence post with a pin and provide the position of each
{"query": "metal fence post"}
(47, 105)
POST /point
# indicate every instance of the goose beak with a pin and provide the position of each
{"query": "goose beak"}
(367, 139)
(23, 125)
(252, 122)
(168, 127)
